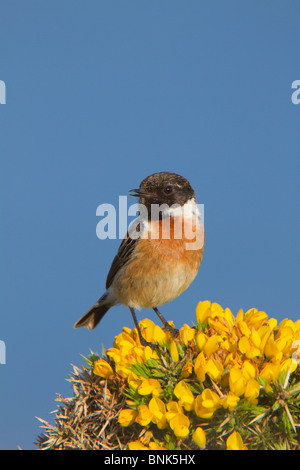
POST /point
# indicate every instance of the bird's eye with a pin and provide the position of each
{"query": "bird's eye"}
(168, 189)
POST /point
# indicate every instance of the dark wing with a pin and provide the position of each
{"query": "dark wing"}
(122, 257)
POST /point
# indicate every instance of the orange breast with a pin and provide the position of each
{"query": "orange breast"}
(162, 265)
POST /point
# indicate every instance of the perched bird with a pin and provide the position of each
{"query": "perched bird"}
(160, 257)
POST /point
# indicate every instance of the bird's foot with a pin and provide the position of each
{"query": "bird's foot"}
(171, 330)
(148, 343)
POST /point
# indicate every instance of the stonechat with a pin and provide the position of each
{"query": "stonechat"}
(160, 257)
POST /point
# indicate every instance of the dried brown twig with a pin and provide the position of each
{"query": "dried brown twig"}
(89, 419)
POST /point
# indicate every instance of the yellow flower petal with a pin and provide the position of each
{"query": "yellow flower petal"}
(230, 401)
(144, 416)
(158, 410)
(201, 340)
(180, 425)
(203, 311)
(249, 370)
(255, 319)
(214, 369)
(255, 338)
(199, 437)
(174, 351)
(211, 345)
(252, 391)
(184, 394)
(136, 445)
(244, 328)
(156, 446)
(187, 369)
(270, 371)
(103, 369)
(237, 381)
(181, 431)
(235, 442)
(186, 333)
(200, 367)
(150, 386)
(127, 417)
(206, 404)
(174, 409)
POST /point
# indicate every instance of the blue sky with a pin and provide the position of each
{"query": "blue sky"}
(100, 94)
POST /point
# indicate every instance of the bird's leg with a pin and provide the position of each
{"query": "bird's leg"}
(165, 323)
(142, 339)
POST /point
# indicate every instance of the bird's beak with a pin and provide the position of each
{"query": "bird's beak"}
(139, 193)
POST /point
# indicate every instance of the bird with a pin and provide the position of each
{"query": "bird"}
(160, 255)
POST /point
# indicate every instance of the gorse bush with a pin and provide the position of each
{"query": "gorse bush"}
(225, 383)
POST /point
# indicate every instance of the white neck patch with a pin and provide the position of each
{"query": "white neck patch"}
(189, 209)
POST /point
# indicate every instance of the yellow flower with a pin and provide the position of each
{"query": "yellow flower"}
(285, 336)
(289, 365)
(254, 318)
(199, 437)
(272, 349)
(156, 446)
(255, 339)
(133, 380)
(186, 333)
(272, 322)
(174, 351)
(127, 417)
(123, 370)
(126, 348)
(216, 310)
(235, 442)
(173, 408)
(125, 343)
(230, 401)
(264, 332)
(286, 323)
(244, 345)
(237, 381)
(252, 391)
(102, 368)
(137, 445)
(123, 337)
(203, 311)
(249, 370)
(152, 332)
(187, 369)
(214, 369)
(114, 354)
(177, 419)
(270, 371)
(247, 345)
(148, 353)
(200, 367)
(239, 316)
(180, 425)
(201, 340)
(220, 324)
(145, 416)
(150, 386)
(229, 317)
(233, 352)
(211, 345)
(158, 335)
(206, 404)
(244, 329)
(158, 410)
(185, 396)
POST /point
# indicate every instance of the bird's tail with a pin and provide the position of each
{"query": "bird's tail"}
(93, 316)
